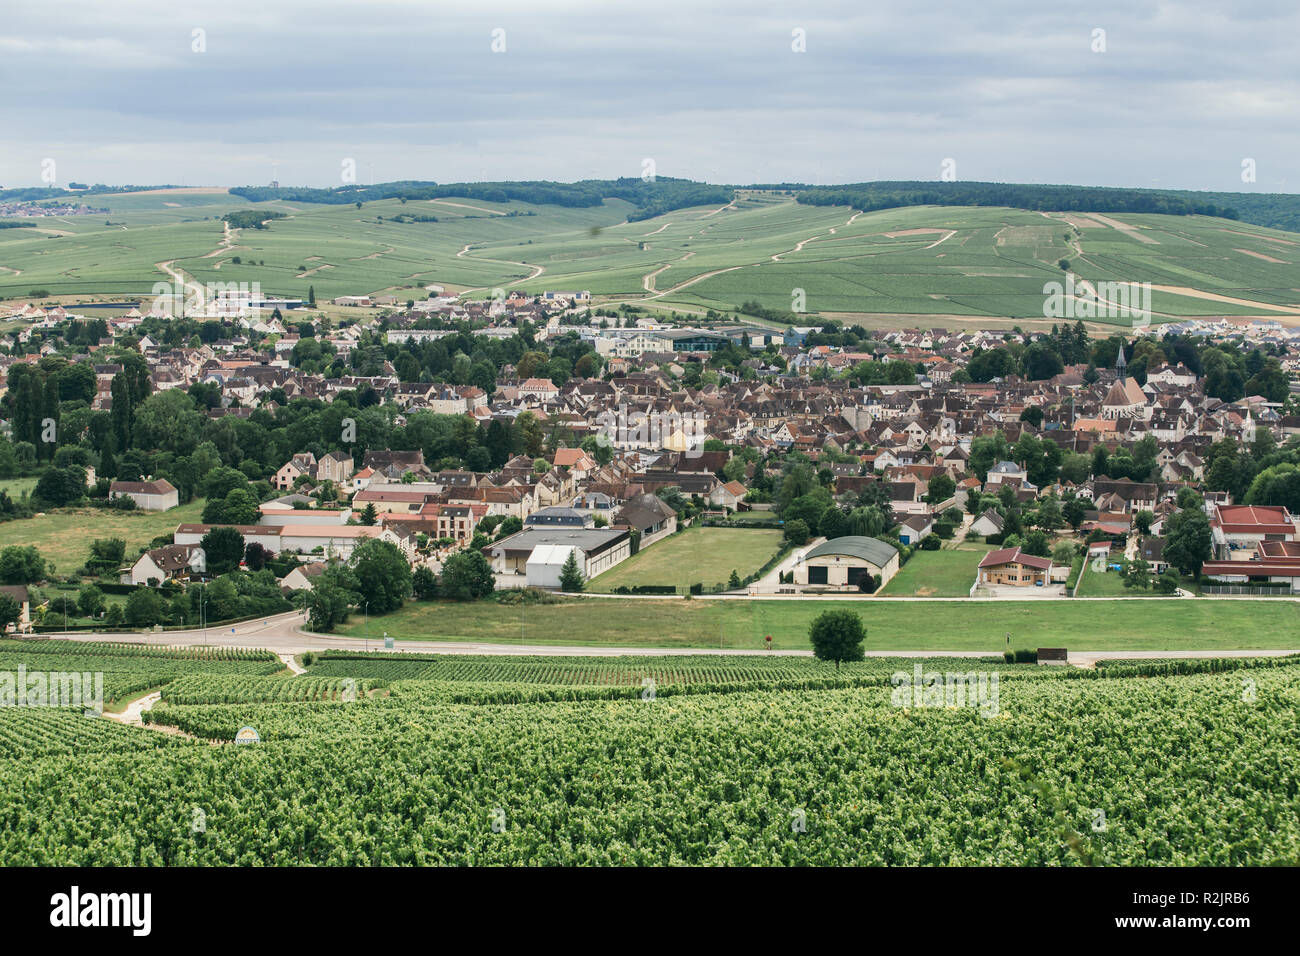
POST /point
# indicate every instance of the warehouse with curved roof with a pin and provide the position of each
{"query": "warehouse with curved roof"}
(843, 562)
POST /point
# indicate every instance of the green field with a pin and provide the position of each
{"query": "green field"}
(949, 572)
(952, 263)
(63, 536)
(696, 555)
(695, 761)
(1104, 584)
(17, 487)
(1198, 624)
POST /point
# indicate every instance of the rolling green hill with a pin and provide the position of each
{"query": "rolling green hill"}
(943, 263)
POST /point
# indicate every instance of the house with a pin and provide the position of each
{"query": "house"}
(361, 479)
(395, 463)
(156, 495)
(1099, 554)
(1152, 551)
(165, 564)
(336, 467)
(23, 599)
(538, 388)
(729, 495)
(293, 469)
(457, 522)
(594, 503)
(1005, 471)
(913, 529)
(579, 463)
(302, 577)
(842, 563)
(648, 515)
(1131, 496)
(1012, 566)
(990, 522)
(557, 517)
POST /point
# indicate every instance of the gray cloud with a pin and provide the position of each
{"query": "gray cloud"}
(1011, 91)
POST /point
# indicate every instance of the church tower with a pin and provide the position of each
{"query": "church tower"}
(1121, 366)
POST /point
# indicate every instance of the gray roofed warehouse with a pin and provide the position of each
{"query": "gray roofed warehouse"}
(841, 563)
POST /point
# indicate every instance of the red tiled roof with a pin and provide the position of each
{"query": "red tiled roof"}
(1008, 555)
(1250, 568)
(1254, 519)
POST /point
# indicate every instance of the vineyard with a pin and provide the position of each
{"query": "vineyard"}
(252, 690)
(629, 670)
(374, 759)
(131, 668)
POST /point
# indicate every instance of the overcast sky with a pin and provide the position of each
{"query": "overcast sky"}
(708, 89)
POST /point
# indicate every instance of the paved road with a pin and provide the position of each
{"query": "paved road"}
(769, 584)
(284, 635)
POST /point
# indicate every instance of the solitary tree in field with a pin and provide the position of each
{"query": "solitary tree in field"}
(837, 636)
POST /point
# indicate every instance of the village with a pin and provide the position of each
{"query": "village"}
(860, 450)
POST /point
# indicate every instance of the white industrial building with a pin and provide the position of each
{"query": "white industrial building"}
(545, 564)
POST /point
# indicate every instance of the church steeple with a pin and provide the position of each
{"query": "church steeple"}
(1121, 366)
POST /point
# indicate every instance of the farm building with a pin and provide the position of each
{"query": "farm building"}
(1245, 527)
(599, 549)
(913, 529)
(841, 563)
(545, 564)
(148, 495)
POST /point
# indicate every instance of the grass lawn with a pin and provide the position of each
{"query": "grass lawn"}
(1109, 584)
(15, 487)
(698, 554)
(753, 516)
(63, 536)
(1104, 584)
(1197, 624)
(944, 573)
